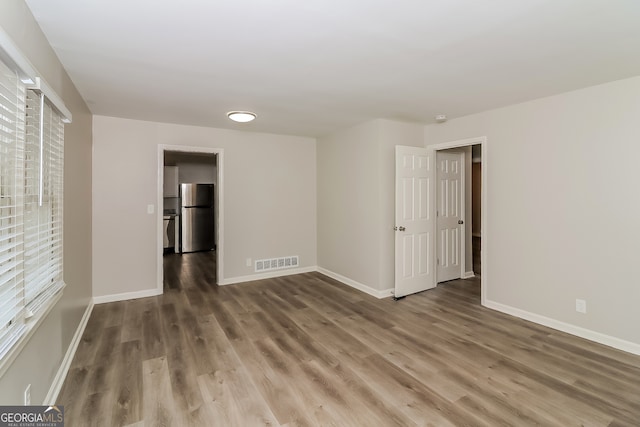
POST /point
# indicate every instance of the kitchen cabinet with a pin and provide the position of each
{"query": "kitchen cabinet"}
(170, 188)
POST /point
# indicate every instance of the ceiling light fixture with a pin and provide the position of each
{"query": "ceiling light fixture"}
(241, 116)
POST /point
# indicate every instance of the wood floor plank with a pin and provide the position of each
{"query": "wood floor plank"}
(221, 355)
(101, 377)
(320, 411)
(73, 394)
(227, 407)
(153, 344)
(622, 372)
(114, 315)
(131, 330)
(483, 399)
(197, 343)
(127, 404)
(382, 411)
(235, 396)
(87, 347)
(557, 397)
(283, 400)
(159, 408)
(593, 400)
(306, 350)
(182, 369)
(244, 296)
(95, 403)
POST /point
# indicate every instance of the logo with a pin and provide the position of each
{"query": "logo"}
(31, 416)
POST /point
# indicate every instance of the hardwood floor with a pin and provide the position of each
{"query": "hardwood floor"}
(307, 350)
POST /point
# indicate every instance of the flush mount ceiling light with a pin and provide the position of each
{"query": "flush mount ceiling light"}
(241, 116)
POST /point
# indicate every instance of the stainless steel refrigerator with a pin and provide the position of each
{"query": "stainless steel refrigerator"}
(197, 217)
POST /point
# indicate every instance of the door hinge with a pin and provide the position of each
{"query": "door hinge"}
(437, 261)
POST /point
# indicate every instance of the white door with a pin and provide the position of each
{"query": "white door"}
(450, 215)
(414, 242)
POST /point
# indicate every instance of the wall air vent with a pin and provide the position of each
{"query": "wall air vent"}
(281, 263)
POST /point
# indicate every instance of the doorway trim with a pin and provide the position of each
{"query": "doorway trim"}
(484, 255)
(219, 211)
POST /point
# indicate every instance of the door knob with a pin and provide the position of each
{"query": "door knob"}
(401, 228)
(460, 221)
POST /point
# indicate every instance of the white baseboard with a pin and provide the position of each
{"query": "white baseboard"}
(588, 334)
(357, 285)
(127, 296)
(268, 275)
(468, 275)
(279, 273)
(58, 381)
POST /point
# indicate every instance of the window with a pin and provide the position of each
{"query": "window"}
(12, 114)
(32, 121)
(43, 173)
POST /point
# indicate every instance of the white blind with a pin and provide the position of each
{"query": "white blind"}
(31, 185)
(12, 129)
(44, 150)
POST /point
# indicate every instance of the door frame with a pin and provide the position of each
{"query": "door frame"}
(463, 212)
(219, 211)
(484, 254)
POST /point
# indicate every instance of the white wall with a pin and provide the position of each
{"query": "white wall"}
(348, 208)
(563, 205)
(269, 198)
(356, 192)
(41, 358)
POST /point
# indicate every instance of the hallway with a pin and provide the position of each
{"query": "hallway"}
(184, 270)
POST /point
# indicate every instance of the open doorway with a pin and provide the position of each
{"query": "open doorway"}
(452, 217)
(472, 213)
(458, 212)
(476, 208)
(191, 233)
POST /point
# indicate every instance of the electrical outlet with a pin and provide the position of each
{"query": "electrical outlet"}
(27, 395)
(248, 262)
(581, 306)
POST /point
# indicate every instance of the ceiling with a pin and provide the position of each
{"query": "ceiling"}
(316, 66)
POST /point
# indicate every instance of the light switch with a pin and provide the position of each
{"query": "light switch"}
(150, 209)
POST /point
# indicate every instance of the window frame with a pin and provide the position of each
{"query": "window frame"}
(29, 315)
